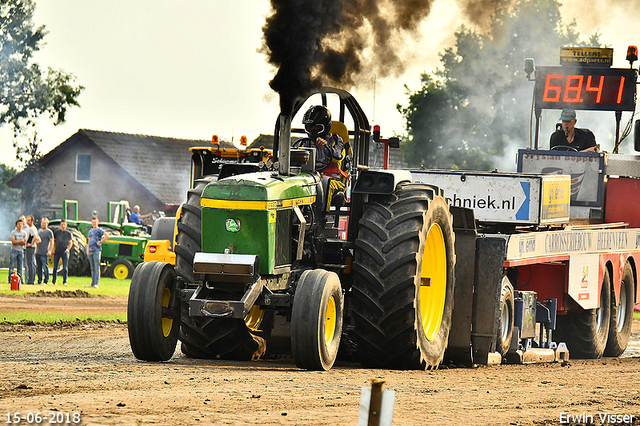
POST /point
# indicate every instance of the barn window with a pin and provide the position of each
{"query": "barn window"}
(83, 168)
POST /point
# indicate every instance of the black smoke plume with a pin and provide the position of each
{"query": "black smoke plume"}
(340, 42)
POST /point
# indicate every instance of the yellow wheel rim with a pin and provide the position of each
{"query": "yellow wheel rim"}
(254, 318)
(167, 323)
(121, 272)
(433, 282)
(330, 319)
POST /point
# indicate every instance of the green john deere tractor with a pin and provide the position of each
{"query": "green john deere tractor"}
(120, 253)
(257, 247)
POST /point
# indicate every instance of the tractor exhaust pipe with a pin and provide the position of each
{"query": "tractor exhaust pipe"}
(284, 147)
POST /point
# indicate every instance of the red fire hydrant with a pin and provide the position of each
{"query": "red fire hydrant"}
(15, 282)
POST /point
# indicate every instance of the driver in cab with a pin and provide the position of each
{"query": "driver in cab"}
(569, 137)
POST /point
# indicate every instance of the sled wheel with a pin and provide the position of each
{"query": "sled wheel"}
(505, 329)
(585, 333)
(153, 313)
(121, 269)
(316, 320)
(404, 279)
(621, 315)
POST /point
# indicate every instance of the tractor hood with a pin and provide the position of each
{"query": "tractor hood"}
(268, 187)
(252, 214)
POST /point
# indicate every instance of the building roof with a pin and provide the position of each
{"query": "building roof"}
(263, 140)
(161, 165)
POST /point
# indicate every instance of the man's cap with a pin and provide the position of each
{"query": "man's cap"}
(568, 114)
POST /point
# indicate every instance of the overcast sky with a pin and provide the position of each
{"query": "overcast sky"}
(191, 69)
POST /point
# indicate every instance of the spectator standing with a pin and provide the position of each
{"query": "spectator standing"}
(30, 250)
(43, 251)
(18, 241)
(63, 241)
(94, 250)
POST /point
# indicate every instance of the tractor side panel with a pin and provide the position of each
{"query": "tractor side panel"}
(548, 280)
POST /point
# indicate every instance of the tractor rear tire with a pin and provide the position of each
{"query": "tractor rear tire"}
(203, 337)
(78, 261)
(163, 229)
(121, 269)
(403, 286)
(585, 333)
(153, 316)
(188, 240)
(621, 315)
(316, 320)
(505, 321)
(109, 230)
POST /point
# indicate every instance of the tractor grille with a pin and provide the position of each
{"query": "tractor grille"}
(283, 237)
(125, 250)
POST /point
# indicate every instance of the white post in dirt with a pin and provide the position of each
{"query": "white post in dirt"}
(376, 405)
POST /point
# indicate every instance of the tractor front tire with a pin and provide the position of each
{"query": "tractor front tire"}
(316, 320)
(403, 286)
(586, 332)
(153, 313)
(121, 269)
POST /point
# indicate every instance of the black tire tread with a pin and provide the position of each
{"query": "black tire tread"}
(313, 291)
(144, 312)
(384, 290)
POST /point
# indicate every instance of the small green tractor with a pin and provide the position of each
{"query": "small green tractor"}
(256, 249)
(121, 253)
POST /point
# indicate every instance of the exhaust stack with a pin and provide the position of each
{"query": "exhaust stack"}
(284, 147)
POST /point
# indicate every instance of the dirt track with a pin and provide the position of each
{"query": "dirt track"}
(89, 368)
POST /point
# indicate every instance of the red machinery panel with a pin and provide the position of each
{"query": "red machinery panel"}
(623, 201)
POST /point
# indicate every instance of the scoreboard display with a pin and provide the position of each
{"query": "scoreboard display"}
(591, 88)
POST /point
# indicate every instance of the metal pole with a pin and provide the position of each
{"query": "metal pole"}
(386, 155)
(285, 144)
(538, 113)
(618, 119)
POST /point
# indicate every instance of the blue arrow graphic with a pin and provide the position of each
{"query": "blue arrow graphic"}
(523, 212)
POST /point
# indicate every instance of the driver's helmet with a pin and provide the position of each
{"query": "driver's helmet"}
(317, 122)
